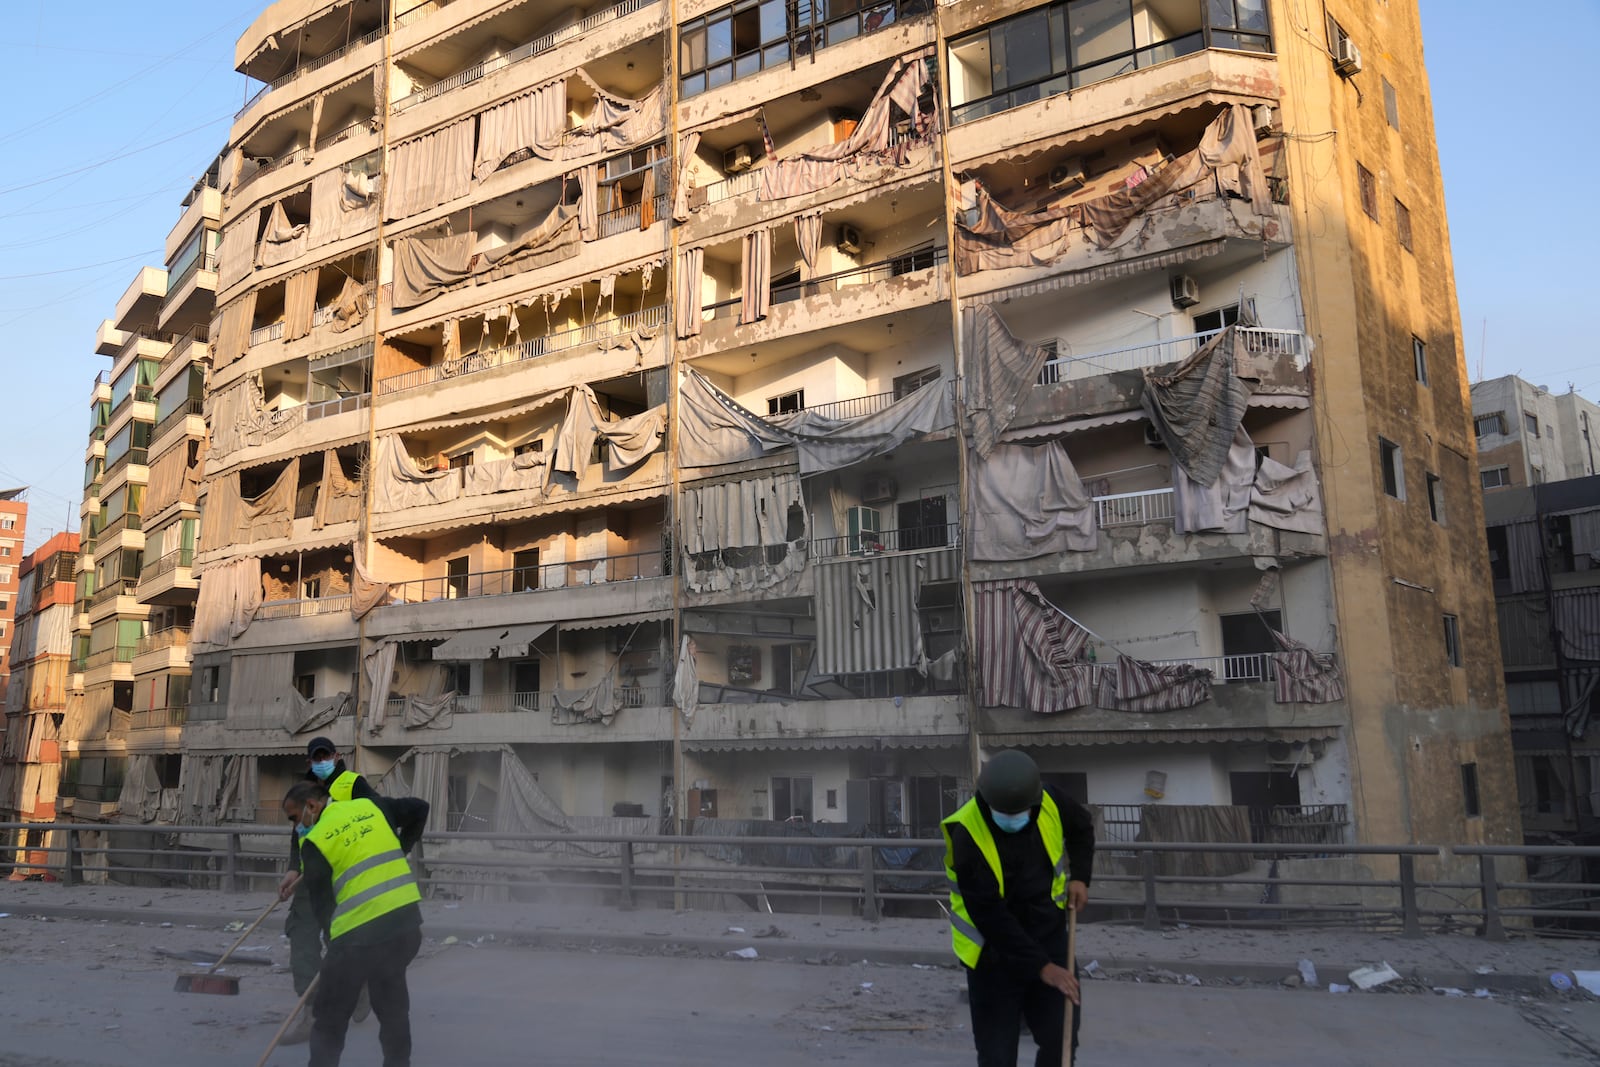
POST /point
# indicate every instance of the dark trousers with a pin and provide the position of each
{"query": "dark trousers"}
(381, 967)
(1000, 1000)
(305, 940)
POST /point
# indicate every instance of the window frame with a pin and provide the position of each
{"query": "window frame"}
(1502, 470)
(1392, 468)
(1402, 225)
(1435, 485)
(1471, 798)
(1530, 424)
(1419, 360)
(1391, 104)
(1452, 639)
(781, 404)
(1367, 188)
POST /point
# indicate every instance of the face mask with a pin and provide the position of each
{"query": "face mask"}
(322, 768)
(1012, 823)
(301, 830)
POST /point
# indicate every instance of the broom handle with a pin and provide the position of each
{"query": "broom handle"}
(1072, 966)
(267, 1055)
(242, 937)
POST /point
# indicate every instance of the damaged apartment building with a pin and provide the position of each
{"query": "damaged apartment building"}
(754, 412)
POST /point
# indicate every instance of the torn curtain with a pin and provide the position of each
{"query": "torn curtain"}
(732, 530)
(533, 121)
(1027, 501)
(687, 303)
(1134, 685)
(1028, 652)
(425, 266)
(867, 617)
(756, 274)
(1198, 407)
(303, 715)
(399, 484)
(430, 170)
(1000, 371)
(1301, 676)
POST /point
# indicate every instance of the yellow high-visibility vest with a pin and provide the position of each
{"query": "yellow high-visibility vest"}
(343, 785)
(965, 937)
(371, 877)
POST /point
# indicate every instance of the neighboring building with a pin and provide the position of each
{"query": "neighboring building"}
(1528, 435)
(136, 590)
(13, 535)
(1544, 551)
(606, 425)
(36, 702)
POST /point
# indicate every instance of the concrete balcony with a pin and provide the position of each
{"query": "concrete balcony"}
(583, 589)
(320, 621)
(307, 78)
(642, 714)
(142, 299)
(1262, 345)
(205, 205)
(1206, 77)
(169, 580)
(115, 599)
(302, 538)
(156, 729)
(108, 340)
(1137, 530)
(191, 295)
(816, 723)
(163, 650)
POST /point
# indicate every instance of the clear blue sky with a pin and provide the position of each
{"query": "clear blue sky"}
(115, 108)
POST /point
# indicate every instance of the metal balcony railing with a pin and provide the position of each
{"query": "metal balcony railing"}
(854, 408)
(171, 637)
(183, 557)
(295, 155)
(565, 340)
(119, 654)
(625, 219)
(303, 609)
(192, 406)
(196, 334)
(867, 274)
(570, 575)
(1133, 509)
(628, 696)
(322, 409)
(270, 332)
(905, 539)
(137, 456)
(1259, 341)
(1244, 667)
(312, 65)
(159, 718)
(738, 185)
(112, 590)
(125, 521)
(521, 52)
(207, 262)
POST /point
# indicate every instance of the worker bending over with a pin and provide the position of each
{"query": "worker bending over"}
(365, 898)
(1017, 855)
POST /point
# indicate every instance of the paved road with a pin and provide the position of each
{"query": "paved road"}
(495, 1005)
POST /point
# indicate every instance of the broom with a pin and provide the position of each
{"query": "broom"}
(209, 981)
(1072, 965)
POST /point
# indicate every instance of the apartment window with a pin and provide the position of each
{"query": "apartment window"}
(917, 259)
(1391, 105)
(733, 42)
(1246, 643)
(1336, 36)
(1530, 424)
(1452, 640)
(787, 403)
(311, 589)
(1402, 225)
(1488, 425)
(833, 800)
(1419, 360)
(1394, 474)
(5, 550)
(1549, 792)
(1499, 554)
(210, 684)
(8, 522)
(1536, 475)
(461, 462)
(1216, 319)
(1369, 191)
(1436, 498)
(1469, 790)
(306, 685)
(791, 799)
(906, 384)
(458, 678)
(532, 447)
(455, 571)
(525, 570)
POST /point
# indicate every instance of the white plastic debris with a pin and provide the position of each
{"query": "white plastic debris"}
(1190, 979)
(866, 985)
(1372, 977)
(1092, 968)
(1450, 991)
(1482, 994)
(1483, 968)
(745, 953)
(1308, 972)
(1588, 980)
(1335, 987)
(735, 929)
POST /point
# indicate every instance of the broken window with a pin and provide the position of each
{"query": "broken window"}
(1419, 360)
(1530, 424)
(787, 403)
(1246, 643)
(1452, 640)
(1402, 225)
(1369, 191)
(906, 384)
(1217, 319)
(1394, 475)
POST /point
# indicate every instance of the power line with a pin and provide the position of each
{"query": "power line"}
(111, 159)
(75, 270)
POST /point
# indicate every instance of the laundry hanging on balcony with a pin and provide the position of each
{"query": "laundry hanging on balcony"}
(282, 241)
(1001, 371)
(532, 121)
(869, 150)
(1134, 685)
(713, 429)
(1027, 501)
(736, 535)
(344, 204)
(431, 170)
(616, 123)
(399, 484)
(1301, 676)
(1029, 655)
(1197, 407)
(867, 617)
(303, 715)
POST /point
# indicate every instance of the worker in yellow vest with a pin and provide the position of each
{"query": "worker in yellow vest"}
(1017, 855)
(366, 900)
(323, 765)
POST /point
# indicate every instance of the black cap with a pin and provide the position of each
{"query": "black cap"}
(320, 744)
(1010, 783)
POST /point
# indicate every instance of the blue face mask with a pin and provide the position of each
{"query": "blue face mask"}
(322, 768)
(301, 830)
(1012, 823)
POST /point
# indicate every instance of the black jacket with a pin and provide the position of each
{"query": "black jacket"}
(1023, 930)
(362, 790)
(409, 817)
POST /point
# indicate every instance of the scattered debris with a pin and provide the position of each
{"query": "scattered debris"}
(1293, 981)
(452, 940)
(735, 929)
(1483, 994)
(234, 927)
(1560, 980)
(1190, 979)
(1335, 987)
(745, 953)
(1308, 973)
(1589, 981)
(1483, 968)
(1365, 978)
(866, 985)
(1450, 991)
(1094, 970)
(166, 926)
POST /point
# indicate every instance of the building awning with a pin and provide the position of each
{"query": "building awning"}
(807, 744)
(1152, 736)
(607, 622)
(1105, 272)
(508, 642)
(1048, 430)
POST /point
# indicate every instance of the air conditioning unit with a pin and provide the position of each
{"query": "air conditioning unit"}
(1346, 58)
(849, 240)
(737, 159)
(878, 489)
(1261, 118)
(1068, 174)
(1185, 291)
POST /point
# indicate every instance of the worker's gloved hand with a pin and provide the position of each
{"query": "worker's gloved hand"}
(1061, 980)
(287, 884)
(1077, 895)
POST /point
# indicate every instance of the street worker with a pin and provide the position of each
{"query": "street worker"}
(323, 765)
(365, 899)
(1017, 855)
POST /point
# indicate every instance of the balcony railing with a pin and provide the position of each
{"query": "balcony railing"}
(159, 718)
(868, 274)
(516, 55)
(738, 185)
(125, 521)
(625, 219)
(136, 456)
(645, 319)
(270, 332)
(1256, 340)
(322, 409)
(312, 65)
(1281, 824)
(141, 394)
(207, 711)
(171, 637)
(303, 609)
(854, 408)
(295, 155)
(571, 575)
(183, 557)
(628, 696)
(192, 406)
(1244, 667)
(112, 590)
(207, 262)
(1133, 509)
(196, 334)
(905, 539)
(118, 654)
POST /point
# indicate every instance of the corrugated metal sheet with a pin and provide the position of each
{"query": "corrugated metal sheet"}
(867, 613)
(1163, 737)
(805, 744)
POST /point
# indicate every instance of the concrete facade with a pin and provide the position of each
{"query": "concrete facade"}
(1528, 435)
(13, 535)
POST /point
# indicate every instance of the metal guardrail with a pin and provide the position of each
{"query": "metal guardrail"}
(873, 871)
(322, 409)
(568, 575)
(1134, 509)
(171, 637)
(904, 539)
(312, 65)
(183, 557)
(1256, 340)
(866, 274)
(158, 718)
(627, 219)
(191, 406)
(303, 609)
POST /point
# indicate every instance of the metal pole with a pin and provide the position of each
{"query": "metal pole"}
(871, 907)
(1493, 929)
(627, 902)
(1410, 919)
(1147, 867)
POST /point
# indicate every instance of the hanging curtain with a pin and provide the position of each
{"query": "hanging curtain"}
(588, 204)
(756, 273)
(680, 193)
(299, 304)
(808, 235)
(690, 265)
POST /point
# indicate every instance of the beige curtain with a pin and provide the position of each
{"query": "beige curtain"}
(756, 271)
(233, 331)
(283, 241)
(690, 265)
(236, 256)
(338, 497)
(808, 235)
(299, 304)
(588, 205)
(680, 192)
(430, 170)
(532, 121)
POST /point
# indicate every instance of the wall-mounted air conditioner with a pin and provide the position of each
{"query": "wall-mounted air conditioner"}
(1185, 291)
(1347, 58)
(1261, 118)
(849, 240)
(878, 489)
(737, 159)
(1068, 174)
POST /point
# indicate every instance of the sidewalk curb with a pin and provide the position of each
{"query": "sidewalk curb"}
(797, 950)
